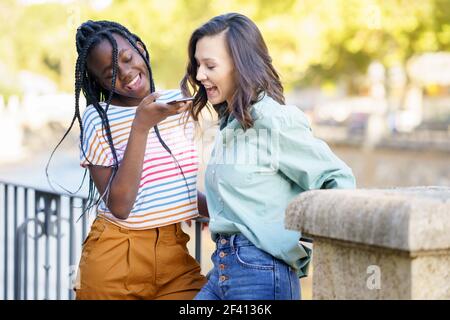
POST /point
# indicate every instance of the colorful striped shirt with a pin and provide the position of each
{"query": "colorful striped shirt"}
(164, 196)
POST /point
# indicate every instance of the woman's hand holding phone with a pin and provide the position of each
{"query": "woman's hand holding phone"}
(150, 112)
(184, 99)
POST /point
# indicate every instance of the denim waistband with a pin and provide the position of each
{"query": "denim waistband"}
(224, 241)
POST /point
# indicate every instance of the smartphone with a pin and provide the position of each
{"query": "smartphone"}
(184, 99)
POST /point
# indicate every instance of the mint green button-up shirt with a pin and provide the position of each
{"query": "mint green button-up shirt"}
(252, 176)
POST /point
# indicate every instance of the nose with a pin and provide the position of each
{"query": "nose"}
(125, 77)
(124, 71)
(124, 74)
(200, 74)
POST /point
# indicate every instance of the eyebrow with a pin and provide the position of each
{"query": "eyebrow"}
(206, 59)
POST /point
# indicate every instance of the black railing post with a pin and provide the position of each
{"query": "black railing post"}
(36, 248)
(5, 281)
(17, 263)
(25, 281)
(17, 249)
(198, 232)
(72, 269)
(198, 238)
(83, 221)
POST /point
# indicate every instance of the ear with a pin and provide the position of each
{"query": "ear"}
(140, 46)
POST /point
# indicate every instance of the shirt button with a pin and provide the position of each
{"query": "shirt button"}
(223, 278)
(221, 266)
(223, 241)
(222, 254)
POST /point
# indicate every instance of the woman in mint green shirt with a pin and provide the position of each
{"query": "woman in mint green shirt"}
(264, 155)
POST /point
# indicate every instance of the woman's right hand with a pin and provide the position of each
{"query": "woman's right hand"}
(149, 112)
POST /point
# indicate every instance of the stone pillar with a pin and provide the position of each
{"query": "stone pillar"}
(377, 244)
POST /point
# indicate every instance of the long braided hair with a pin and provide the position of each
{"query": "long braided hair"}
(88, 35)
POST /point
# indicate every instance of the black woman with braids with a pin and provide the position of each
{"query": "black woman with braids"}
(143, 165)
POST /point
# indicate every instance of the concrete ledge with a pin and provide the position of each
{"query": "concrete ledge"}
(377, 244)
(408, 219)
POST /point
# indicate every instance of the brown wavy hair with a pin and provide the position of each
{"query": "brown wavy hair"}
(254, 72)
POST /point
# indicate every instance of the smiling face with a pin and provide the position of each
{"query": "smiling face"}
(132, 80)
(215, 70)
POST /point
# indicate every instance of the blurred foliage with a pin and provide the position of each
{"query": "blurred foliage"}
(312, 42)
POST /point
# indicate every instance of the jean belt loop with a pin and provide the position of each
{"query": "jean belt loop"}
(218, 241)
(232, 242)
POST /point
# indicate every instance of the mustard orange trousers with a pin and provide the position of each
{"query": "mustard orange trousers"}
(118, 263)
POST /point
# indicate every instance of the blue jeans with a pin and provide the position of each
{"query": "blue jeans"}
(243, 272)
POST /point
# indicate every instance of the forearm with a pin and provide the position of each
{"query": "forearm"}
(202, 205)
(125, 184)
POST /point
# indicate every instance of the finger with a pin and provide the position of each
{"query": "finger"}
(151, 97)
(155, 95)
(183, 109)
(189, 105)
(176, 107)
(180, 107)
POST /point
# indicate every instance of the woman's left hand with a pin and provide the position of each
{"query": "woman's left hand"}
(205, 224)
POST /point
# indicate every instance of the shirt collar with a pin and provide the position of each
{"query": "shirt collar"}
(228, 121)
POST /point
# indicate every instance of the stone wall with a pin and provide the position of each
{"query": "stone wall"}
(377, 244)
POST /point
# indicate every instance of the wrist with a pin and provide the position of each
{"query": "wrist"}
(140, 128)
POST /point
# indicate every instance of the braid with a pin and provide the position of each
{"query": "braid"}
(88, 35)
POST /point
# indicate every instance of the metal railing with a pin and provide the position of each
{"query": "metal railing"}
(39, 224)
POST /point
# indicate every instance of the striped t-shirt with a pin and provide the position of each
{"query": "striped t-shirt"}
(164, 196)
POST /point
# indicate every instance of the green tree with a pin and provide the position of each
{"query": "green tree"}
(311, 41)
